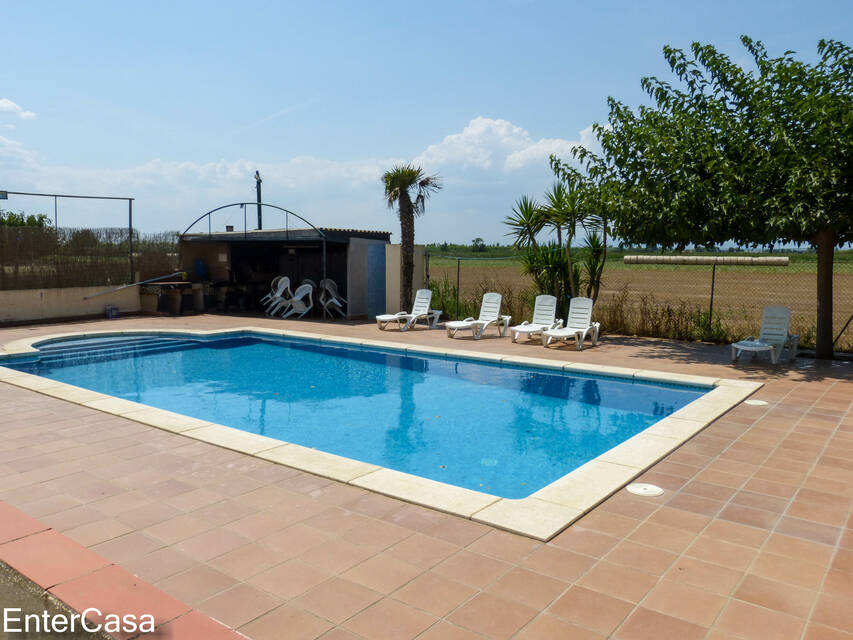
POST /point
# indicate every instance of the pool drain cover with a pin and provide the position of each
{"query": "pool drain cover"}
(644, 489)
(756, 403)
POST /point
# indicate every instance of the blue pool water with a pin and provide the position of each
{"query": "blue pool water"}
(504, 430)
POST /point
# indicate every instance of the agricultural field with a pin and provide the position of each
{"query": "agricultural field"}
(642, 297)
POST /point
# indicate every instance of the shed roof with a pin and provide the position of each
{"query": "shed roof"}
(288, 235)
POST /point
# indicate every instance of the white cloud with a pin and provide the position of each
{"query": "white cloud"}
(486, 142)
(7, 106)
(486, 166)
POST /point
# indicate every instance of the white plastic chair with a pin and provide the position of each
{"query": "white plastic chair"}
(330, 298)
(544, 312)
(774, 336)
(490, 313)
(579, 324)
(280, 297)
(297, 303)
(420, 310)
(273, 289)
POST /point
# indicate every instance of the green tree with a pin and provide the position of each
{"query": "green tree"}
(754, 157)
(400, 183)
(11, 219)
(478, 245)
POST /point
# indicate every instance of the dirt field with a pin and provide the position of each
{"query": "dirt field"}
(740, 293)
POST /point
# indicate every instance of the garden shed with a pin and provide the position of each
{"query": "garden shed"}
(236, 267)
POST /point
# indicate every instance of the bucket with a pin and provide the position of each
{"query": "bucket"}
(111, 312)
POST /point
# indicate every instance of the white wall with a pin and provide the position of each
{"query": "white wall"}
(24, 305)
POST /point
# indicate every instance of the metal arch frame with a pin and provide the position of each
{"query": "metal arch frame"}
(243, 205)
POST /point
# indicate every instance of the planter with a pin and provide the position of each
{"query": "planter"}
(148, 302)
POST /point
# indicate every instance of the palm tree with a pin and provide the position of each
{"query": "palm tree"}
(399, 182)
(562, 212)
(525, 222)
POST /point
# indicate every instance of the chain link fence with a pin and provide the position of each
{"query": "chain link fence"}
(667, 301)
(37, 258)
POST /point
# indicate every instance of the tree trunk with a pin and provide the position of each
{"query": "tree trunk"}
(825, 243)
(407, 249)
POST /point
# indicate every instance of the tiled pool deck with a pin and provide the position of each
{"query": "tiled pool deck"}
(752, 538)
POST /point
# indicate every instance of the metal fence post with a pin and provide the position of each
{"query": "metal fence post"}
(458, 262)
(711, 307)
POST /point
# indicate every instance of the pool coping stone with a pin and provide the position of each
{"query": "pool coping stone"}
(541, 516)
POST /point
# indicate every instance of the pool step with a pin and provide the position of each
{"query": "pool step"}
(92, 353)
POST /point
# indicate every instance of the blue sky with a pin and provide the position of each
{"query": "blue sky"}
(177, 103)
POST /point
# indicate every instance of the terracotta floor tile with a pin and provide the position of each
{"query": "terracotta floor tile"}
(127, 547)
(591, 609)
(682, 601)
(113, 589)
(589, 542)
(376, 535)
(390, 620)
(528, 587)
(258, 525)
(545, 627)
(422, 551)
(159, 564)
(434, 594)
(645, 624)
(663, 537)
(710, 577)
(337, 599)
(211, 544)
(789, 570)
(719, 552)
(749, 516)
(178, 528)
(696, 504)
(505, 546)
(814, 531)
(778, 596)
(49, 558)
(336, 556)
(238, 605)
(735, 533)
(248, 560)
(147, 515)
(196, 584)
(641, 557)
(288, 580)
(459, 531)
(833, 612)
(558, 563)
(679, 519)
(820, 632)
(492, 616)
(197, 626)
(221, 513)
(610, 523)
(300, 625)
(618, 581)
(382, 573)
(294, 540)
(443, 630)
(749, 621)
(93, 533)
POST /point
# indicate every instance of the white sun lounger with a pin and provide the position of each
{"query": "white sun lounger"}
(774, 336)
(420, 311)
(544, 311)
(490, 313)
(579, 324)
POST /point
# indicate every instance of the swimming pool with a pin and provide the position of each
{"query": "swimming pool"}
(501, 429)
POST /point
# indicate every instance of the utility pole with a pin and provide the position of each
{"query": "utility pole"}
(258, 187)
